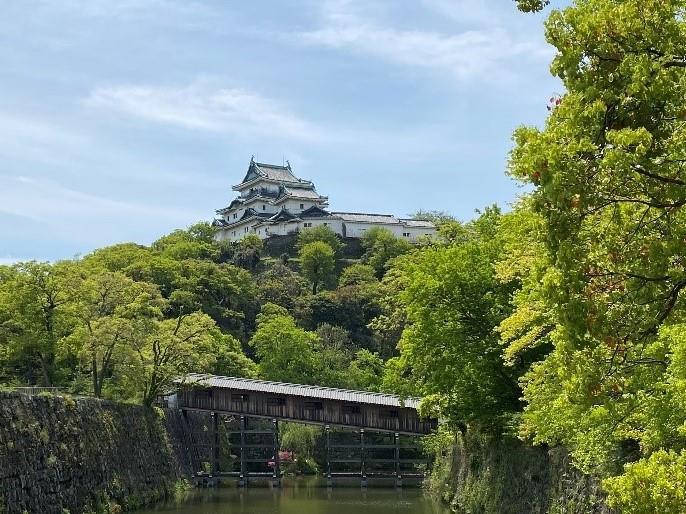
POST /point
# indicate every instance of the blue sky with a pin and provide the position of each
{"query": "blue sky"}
(122, 120)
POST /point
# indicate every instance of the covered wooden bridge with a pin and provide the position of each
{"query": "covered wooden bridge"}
(391, 417)
(302, 403)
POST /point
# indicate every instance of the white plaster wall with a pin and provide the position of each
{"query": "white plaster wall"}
(358, 229)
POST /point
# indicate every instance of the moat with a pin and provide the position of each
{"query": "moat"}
(303, 496)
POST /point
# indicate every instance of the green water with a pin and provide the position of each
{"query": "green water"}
(303, 497)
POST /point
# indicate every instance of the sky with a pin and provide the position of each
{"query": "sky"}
(123, 120)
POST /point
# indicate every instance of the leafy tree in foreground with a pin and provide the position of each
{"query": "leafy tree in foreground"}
(450, 349)
(174, 347)
(611, 189)
(317, 264)
(113, 312)
(34, 300)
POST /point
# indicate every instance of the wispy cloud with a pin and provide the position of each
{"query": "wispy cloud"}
(474, 12)
(489, 53)
(85, 217)
(198, 107)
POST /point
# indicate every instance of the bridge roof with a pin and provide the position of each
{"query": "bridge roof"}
(310, 391)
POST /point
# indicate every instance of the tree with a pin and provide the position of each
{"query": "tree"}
(322, 233)
(174, 347)
(357, 274)
(248, 252)
(350, 307)
(381, 246)
(317, 263)
(438, 218)
(35, 318)
(113, 312)
(454, 302)
(610, 188)
(225, 292)
(280, 285)
(285, 352)
(366, 371)
(196, 242)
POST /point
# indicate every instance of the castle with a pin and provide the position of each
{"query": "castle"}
(273, 201)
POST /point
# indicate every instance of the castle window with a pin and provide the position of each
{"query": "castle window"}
(308, 225)
(235, 215)
(264, 207)
(302, 205)
(406, 234)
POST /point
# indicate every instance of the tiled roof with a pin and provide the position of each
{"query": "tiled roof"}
(273, 172)
(310, 391)
(300, 192)
(314, 212)
(361, 217)
(283, 214)
(418, 223)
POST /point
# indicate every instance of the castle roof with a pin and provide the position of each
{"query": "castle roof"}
(314, 212)
(272, 172)
(362, 217)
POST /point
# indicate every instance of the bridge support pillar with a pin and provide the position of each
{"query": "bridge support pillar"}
(215, 443)
(329, 481)
(363, 471)
(398, 476)
(243, 477)
(276, 476)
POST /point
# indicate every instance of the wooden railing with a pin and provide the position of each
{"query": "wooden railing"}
(36, 390)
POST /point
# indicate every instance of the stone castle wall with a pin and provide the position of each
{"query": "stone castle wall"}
(60, 455)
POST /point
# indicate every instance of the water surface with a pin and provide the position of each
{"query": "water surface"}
(303, 497)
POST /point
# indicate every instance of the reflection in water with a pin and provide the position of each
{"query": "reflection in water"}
(304, 497)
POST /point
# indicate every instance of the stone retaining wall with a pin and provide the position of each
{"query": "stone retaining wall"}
(60, 455)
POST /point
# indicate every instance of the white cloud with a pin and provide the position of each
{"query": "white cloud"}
(198, 107)
(490, 53)
(83, 217)
(467, 11)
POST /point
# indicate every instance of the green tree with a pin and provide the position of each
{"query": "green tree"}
(454, 302)
(280, 285)
(285, 352)
(610, 188)
(357, 274)
(248, 252)
(436, 217)
(34, 300)
(196, 242)
(366, 371)
(225, 292)
(113, 312)
(381, 246)
(351, 308)
(317, 264)
(188, 343)
(322, 233)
